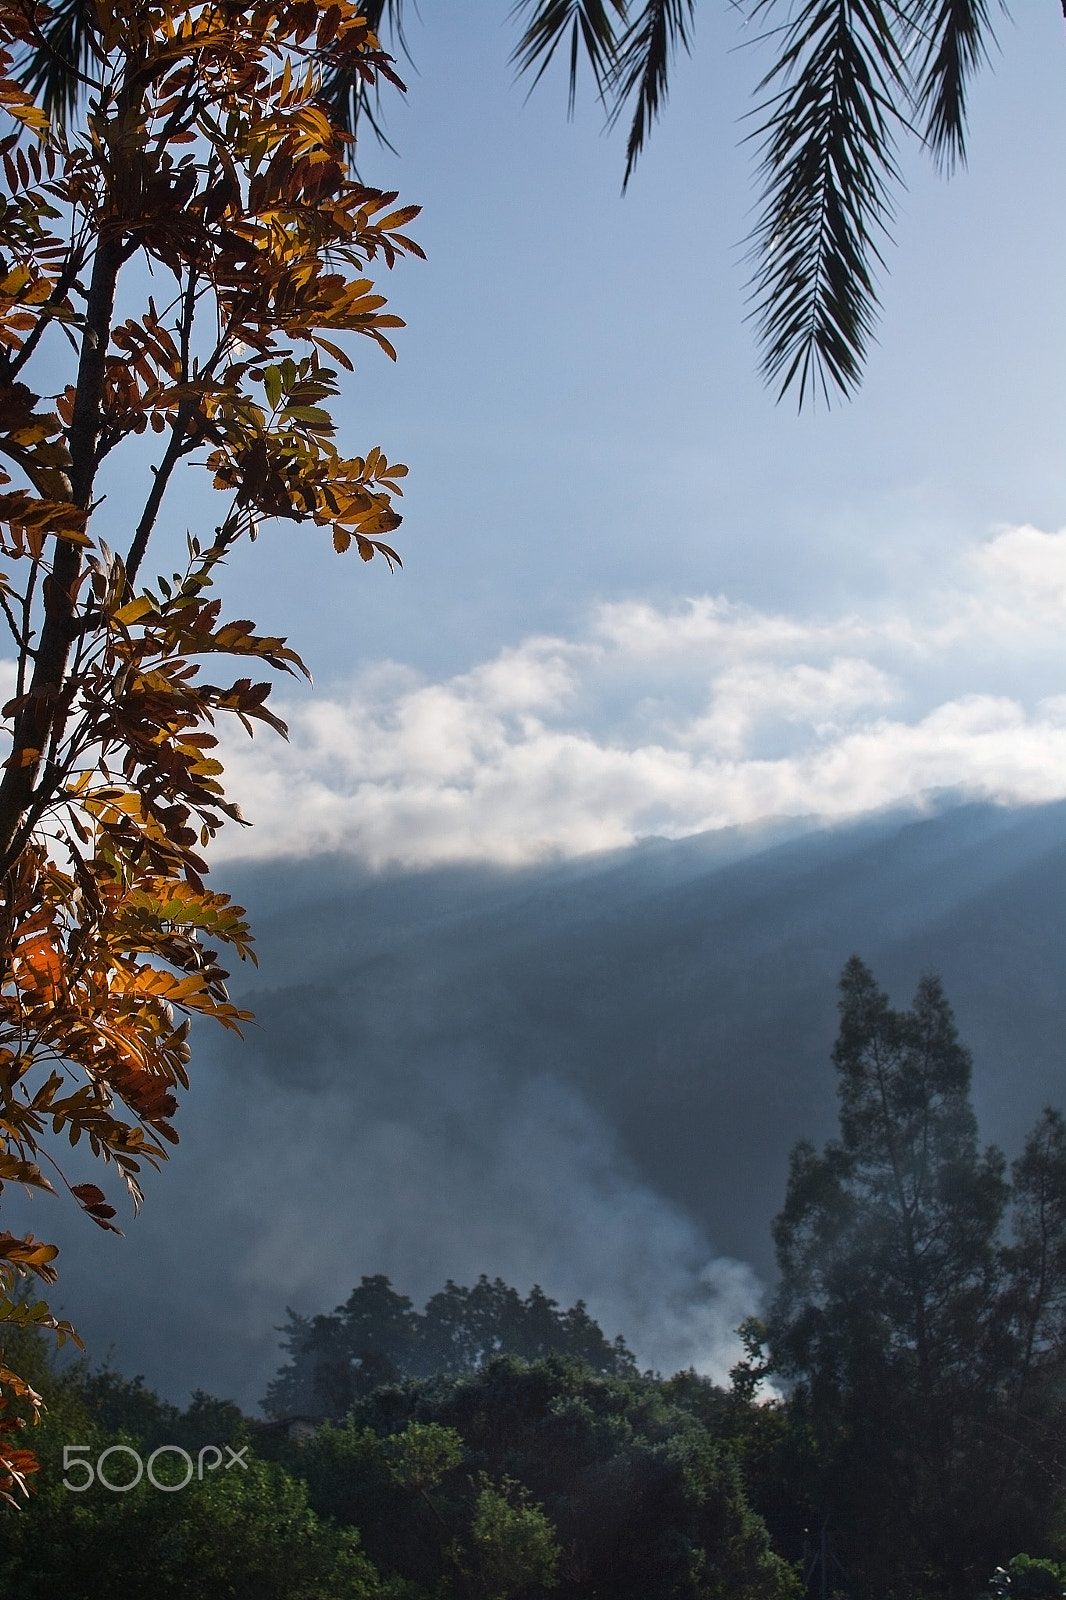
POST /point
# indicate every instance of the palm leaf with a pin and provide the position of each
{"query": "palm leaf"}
(56, 71)
(647, 49)
(838, 89)
(345, 95)
(591, 27)
(953, 35)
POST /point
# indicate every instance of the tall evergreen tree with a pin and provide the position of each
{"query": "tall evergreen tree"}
(1031, 1475)
(888, 1319)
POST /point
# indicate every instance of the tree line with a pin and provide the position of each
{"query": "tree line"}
(895, 1428)
(378, 1337)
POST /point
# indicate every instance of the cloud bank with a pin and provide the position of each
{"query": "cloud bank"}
(673, 721)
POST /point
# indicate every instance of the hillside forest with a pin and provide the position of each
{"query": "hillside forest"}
(895, 1428)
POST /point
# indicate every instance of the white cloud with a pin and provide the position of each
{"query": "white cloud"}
(1028, 566)
(802, 695)
(673, 721)
(713, 625)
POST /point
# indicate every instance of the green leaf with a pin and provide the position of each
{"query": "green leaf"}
(313, 414)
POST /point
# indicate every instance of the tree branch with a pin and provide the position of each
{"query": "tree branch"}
(34, 722)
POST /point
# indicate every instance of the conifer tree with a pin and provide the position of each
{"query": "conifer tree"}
(909, 1332)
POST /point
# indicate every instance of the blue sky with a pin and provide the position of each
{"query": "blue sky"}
(596, 467)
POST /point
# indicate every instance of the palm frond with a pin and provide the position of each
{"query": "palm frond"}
(838, 89)
(346, 95)
(591, 27)
(647, 49)
(954, 36)
(56, 71)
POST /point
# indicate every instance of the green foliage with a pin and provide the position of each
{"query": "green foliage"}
(517, 1481)
(640, 1496)
(1035, 1579)
(247, 1534)
(403, 1494)
(773, 1444)
(1036, 1261)
(918, 1333)
(427, 1517)
(376, 1336)
(927, 1358)
(513, 1543)
(422, 1455)
(234, 1535)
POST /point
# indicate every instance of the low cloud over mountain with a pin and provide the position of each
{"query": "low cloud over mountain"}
(672, 721)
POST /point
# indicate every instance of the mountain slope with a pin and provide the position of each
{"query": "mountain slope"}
(588, 1076)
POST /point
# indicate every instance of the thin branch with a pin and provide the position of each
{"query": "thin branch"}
(27, 617)
(188, 312)
(12, 624)
(161, 478)
(64, 283)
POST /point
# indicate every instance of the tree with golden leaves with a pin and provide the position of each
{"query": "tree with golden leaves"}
(206, 149)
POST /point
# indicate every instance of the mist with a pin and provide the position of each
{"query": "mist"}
(287, 1188)
(586, 1076)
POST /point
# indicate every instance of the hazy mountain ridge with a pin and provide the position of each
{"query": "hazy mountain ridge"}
(587, 1076)
(688, 988)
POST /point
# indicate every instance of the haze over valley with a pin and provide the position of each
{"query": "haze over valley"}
(587, 1076)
